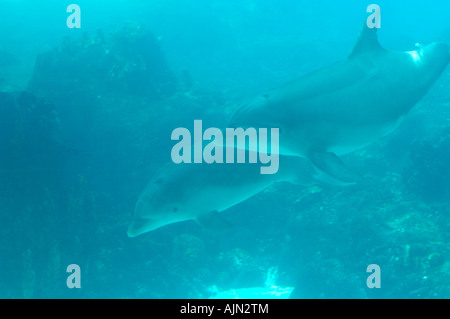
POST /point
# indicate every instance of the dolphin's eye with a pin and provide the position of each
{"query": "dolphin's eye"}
(175, 209)
(159, 181)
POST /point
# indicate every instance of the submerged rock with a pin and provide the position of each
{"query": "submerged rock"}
(127, 61)
(427, 174)
(30, 141)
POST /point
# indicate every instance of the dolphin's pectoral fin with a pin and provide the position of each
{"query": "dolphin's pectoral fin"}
(140, 226)
(213, 221)
(325, 179)
(331, 164)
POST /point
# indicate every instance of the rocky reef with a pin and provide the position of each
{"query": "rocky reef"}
(127, 61)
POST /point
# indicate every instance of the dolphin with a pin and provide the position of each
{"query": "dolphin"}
(199, 191)
(346, 106)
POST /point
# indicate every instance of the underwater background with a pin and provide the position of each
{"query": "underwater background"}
(85, 121)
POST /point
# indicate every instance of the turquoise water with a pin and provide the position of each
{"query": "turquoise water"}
(86, 117)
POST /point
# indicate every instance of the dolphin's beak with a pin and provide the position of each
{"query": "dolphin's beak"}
(139, 226)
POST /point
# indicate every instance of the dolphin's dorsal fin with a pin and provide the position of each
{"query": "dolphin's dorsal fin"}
(367, 42)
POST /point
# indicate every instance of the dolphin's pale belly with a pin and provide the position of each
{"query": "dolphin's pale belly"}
(226, 190)
(345, 120)
(354, 142)
(337, 139)
(220, 198)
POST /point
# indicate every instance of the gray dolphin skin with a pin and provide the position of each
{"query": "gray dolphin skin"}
(346, 106)
(180, 192)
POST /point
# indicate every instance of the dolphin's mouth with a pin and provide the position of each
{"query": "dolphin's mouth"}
(140, 226)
